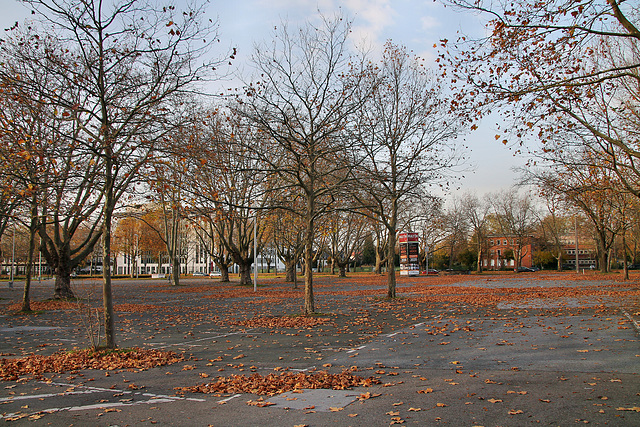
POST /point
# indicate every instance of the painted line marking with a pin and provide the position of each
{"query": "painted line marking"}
(632, 320)
(153, 399)
(44, 396)
(229, 398)
(302, 370)
(114, 390)
(356, 349)
(204, 339)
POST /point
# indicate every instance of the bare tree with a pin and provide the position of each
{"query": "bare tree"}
(228, 186)
(309, 88)
(592, 190)
(347, 230)
(428, 220)
(405, 131)
(64, 176)
(477, 212)
(287, 230)
(556, 68)
(556, 224)
(121, 64)
(515, 215)
(455, 226)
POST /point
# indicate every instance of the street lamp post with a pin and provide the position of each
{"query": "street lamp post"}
(13, 257)
(255, 252)
(135, 260)
(576, 249)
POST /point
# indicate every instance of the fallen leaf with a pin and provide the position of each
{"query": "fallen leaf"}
(634, 409)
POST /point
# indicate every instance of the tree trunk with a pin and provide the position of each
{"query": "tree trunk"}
(602, 260)
(224, 272)
(624, 256)
(391, 272)
(309, 306)
(33, 227)
(62, 285)
(290, 271)
(175, 271)
(107, 295)
(379, 260)
(479, 263)
(559, 268)
(342, 269)
(245, 272)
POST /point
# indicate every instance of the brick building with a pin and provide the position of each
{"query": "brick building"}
(502, 251)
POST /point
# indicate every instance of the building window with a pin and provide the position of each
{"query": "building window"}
(491, 242)
(499, 252)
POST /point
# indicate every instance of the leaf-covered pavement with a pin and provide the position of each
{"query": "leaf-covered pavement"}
(492, 349)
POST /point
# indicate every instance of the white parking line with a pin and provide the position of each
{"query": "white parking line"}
(356, 349)
(632, 320)
(204, 339)
(229, 398)
(153, 399)
(44, 396)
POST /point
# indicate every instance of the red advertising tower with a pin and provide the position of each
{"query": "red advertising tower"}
(409, 254)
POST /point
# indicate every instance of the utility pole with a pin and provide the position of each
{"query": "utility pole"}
(576, 231)
(255, 252)
(135, 260)
(13, 257)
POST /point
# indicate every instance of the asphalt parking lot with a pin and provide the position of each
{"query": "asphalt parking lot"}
(486, 350)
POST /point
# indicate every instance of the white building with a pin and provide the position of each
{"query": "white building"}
(196, 260)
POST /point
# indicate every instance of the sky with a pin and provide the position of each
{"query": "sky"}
(416, 24)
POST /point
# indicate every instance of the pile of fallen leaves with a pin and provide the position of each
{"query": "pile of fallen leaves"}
(36, 365)
(276, 383)
(46, 305)
(282, 322)
(136, 308)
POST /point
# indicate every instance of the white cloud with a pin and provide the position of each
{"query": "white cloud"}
(372, 17)
(429, 23)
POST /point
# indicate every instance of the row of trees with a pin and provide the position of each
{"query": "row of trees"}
(101, 110)
(454, 236)
(549, 215)
(104, 113)
(564, 75)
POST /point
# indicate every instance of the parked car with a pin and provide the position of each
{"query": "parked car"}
(523, 269)
(633, 267)
(215, 274)
(197, 273)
